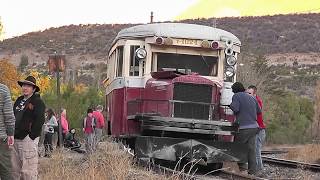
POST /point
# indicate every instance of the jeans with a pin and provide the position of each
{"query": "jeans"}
(48, 144)
(5, 161)
(248, 137)
(260, 138)
(98, 134)
(89, 137)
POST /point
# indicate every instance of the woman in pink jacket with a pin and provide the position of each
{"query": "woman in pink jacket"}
(64, 122)
(64, 125)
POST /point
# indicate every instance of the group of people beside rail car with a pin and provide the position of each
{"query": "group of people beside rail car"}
(247, 107)
(93, 125)
(21, 125)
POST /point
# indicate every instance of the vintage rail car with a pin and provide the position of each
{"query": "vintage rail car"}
(167, 91)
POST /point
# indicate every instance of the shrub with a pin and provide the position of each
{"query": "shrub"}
(75, 100)
(289, 119)
(24, 62)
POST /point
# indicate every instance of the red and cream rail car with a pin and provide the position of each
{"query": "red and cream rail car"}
(167, 88)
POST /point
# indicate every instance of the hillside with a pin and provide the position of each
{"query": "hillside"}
(268, 34)
(273, 34)
(284, 40)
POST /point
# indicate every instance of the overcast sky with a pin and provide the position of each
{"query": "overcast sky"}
(22, 16)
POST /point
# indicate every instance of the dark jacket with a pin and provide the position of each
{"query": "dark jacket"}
(246, 108)
(30, 120)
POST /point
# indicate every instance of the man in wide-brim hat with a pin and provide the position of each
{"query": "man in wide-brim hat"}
(30, 80)
(29, 111)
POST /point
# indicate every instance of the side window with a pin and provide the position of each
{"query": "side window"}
(134, 62)
(111, 65)
(119, 61)
(154, 63)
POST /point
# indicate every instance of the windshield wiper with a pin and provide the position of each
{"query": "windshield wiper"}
(205, 61)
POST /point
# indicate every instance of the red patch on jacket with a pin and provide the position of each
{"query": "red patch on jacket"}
(30, 106)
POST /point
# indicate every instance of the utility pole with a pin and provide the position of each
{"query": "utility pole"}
(214, 23)
(151, 17)
(56, 64)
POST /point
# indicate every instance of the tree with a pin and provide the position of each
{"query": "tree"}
(291, 118)
(315, 128)
(253, 70)
(9, 76)
(76, 100)
(1, 30)
(43, 81)
(24, 61)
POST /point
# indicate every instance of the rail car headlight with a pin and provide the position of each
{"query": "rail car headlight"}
(205, 44)
(231, 60)
(168, 41)
(214, 45)
(141, 53)
(229, 43)
(159, 40)
(230, 71)
(228, 51)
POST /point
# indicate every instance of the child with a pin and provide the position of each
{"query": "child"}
(88, 129)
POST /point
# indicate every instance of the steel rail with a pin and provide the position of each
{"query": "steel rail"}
(239, 176)
(274, 152)
(292, 163)
(187, 176)
(162, 170)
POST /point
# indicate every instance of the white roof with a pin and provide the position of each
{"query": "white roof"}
(177, 30)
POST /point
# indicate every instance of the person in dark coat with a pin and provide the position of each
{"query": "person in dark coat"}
(246, 108)
(29, 111)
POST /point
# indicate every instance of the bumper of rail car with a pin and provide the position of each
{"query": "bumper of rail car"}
(154, 122)
(174, 149)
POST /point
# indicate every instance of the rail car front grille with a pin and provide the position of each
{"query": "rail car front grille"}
(188, 99)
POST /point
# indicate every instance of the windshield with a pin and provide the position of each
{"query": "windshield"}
(204, 65)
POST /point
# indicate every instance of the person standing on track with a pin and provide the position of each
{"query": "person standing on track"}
(246, 108)
(260, 138)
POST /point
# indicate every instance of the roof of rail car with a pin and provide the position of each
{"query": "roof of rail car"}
(177, 30)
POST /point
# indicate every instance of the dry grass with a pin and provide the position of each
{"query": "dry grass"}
(308, 153)
(109, 162)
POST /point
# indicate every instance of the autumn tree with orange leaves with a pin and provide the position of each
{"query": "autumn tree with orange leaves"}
(9, 76)
(76, 99)
(1, 30)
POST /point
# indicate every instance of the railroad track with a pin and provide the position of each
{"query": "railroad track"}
(292, 164)
(237, 176)
(160, 169)
(192, 175)
(274, 152)
(196, 175)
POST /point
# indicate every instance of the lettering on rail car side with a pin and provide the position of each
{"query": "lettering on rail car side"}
(192, 42)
